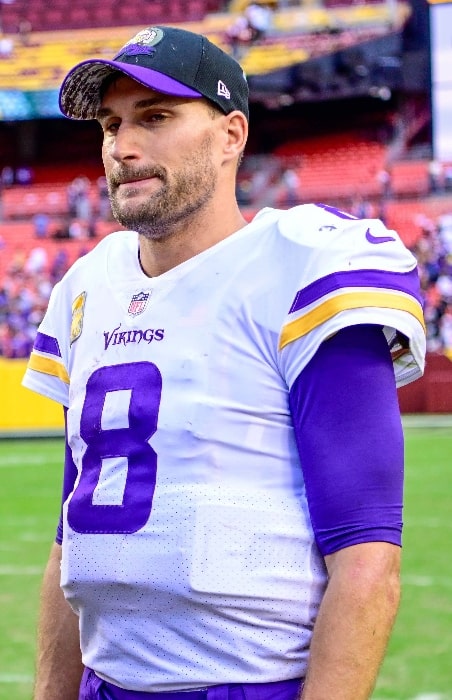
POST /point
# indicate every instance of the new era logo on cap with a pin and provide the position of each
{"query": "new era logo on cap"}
(222, 90)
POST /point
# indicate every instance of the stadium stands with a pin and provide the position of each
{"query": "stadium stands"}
(24, 201)
(60, 34)
(410, 178)
(411, 217)
(19, 236)
(343, 165)
(59, 14)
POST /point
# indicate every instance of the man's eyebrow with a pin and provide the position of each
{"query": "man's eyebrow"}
(163, 100)
(103, 112)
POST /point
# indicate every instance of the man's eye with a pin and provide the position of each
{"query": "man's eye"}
(157, 117)
(110, 127)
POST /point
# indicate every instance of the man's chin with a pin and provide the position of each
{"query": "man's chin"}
(127, 215)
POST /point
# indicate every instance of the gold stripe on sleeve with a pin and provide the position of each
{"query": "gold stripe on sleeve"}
(343, 302)
(47, 366)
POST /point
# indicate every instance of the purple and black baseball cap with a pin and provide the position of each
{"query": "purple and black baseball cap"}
(167, 59)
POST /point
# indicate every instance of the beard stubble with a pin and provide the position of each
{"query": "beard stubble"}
(180, 195)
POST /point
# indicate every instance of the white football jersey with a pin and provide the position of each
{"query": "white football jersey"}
(188, 551)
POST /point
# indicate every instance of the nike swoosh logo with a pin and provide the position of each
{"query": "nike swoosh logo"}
(378, 239)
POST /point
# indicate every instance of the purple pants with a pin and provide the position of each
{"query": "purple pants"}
(94, 688)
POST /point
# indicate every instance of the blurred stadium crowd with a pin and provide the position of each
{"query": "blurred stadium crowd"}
(327, 126)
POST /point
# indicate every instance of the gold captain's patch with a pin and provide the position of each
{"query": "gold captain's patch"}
(78, 309)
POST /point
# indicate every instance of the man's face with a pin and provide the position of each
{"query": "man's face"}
(158, 154)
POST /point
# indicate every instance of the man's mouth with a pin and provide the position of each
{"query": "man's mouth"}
(134, 180)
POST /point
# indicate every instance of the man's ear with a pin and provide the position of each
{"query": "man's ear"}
(236, 131)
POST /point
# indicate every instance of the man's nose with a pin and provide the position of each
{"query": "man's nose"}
(126, 144)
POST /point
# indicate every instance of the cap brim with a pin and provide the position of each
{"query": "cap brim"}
(80, 91)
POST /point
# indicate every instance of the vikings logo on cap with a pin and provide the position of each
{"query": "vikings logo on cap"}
(142, 42)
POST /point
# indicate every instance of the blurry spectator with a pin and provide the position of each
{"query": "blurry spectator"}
(24, 296)
(7, 176)
(76, 229)
(435, 176)
(445, 329)
(448, 177)
(259, 182)
(243, 192)
(78, 197)
(91, 227)
(445, 232)
(103, 198)
(444, 285)
(6, 46)
(36, 261)
(41, 222)
(385, 182)
(381, 211)
(362, 208)
(252, 25)
(59, 266)
(259, 16)
(17, 262)
(239, 36)
(24, 31)
(435, 268)
(291, 182)
(24, 175)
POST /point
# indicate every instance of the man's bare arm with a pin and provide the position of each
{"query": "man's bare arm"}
(59, 665)
(355, 620)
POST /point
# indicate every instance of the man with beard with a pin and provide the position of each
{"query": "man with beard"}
(231, 519)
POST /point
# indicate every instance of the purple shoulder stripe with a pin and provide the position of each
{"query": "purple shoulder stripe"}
(407, 282)
(45, 343)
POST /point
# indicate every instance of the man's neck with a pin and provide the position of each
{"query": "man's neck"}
(157, 256)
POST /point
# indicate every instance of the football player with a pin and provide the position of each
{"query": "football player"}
(232, 503)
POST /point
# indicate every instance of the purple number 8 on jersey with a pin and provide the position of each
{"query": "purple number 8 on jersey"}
(144, 382)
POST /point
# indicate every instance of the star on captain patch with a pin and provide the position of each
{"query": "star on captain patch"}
(78, 310)
(138, 303)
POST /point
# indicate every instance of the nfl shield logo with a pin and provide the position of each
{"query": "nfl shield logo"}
(138, 303)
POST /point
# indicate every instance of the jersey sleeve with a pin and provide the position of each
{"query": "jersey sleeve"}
(352, 272)
(47, 371)
(352, 463)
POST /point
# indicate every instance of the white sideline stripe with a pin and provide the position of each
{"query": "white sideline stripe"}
(20, 460)
(426, 581)
(426, 696)
(21, 571)
(427, 420)
(427, 522)
(16, 678)
(21, 521)
(32, 537)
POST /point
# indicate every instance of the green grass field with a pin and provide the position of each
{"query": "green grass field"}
(418, 665)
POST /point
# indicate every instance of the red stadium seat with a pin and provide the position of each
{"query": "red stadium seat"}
(78, 17)
(53, 18)
(102, 15)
